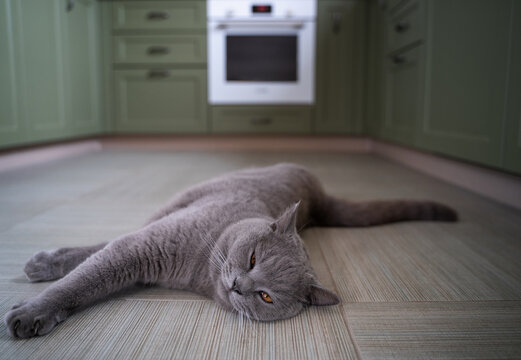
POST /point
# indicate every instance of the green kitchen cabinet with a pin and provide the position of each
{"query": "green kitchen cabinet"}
(374, 101)
(51, 71)
(11, 129)
(403, 95)
(82, 60)
(512, 133)
(261, 119)
(467, 52)
(340, 66)
(39, 68)
(160, 100)
(159, 15)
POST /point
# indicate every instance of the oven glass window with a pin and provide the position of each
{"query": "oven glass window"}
(261, 58)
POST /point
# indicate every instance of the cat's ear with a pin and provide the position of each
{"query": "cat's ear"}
(320, 296)
(287, 222)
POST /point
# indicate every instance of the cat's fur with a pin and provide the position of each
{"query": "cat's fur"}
(203, 241)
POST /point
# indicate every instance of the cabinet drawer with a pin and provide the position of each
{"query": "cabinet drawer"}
(404, 28)
(261, 120)
(147, 15)
(403, 96)
(160, 100)
(175, 49)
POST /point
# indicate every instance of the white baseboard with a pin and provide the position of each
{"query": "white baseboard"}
(494, 184)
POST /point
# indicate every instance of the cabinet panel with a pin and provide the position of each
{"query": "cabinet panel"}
(173, 49)
(147, 15)
(40, 63)
(466, 74)
(261, 119)
(340, 66)
(10, 125)
(404, 85)
(512, 136)
(82, 57)
(161, 100)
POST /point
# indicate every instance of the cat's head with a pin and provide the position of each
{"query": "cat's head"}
(267, 275)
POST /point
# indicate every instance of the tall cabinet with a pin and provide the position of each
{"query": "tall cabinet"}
(50, 70)
(340, 78)
(446, 78)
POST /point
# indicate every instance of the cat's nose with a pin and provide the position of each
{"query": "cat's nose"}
(242, 284)
(235, 287)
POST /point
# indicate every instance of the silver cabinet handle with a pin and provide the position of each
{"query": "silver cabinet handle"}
(337, 21)
(69, 6)
(158, 50)
(401, 27)
(260, 121)
(399, 59)
(158, 74)
(158, 15)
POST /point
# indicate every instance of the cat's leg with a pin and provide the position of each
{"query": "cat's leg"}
(135, 258)
(54, 264)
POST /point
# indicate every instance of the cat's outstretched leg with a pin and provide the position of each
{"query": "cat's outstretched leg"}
(123, 262)
(50, 265)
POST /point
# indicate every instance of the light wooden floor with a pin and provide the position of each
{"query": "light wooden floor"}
(409, 290)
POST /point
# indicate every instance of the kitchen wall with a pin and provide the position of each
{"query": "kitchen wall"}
(437, 75)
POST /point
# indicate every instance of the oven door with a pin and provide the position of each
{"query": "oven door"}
(261, 63)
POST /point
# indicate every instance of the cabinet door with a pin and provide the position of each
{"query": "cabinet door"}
(40, 68)
(512, 136)
(11, 130)
(340, 66)
(403, 95)
(161, 101)
(374, 101)
(82, 64)
(466, 76)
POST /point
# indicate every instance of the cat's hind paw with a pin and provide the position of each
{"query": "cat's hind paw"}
(42, 267)
(29, 318)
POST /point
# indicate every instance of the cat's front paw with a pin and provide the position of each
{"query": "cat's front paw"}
(31, 318)
(42, 267)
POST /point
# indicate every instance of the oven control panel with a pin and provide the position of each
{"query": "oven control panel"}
(254, 9)
(261, 9)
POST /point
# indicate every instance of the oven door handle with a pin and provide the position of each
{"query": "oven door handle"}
(260, 25)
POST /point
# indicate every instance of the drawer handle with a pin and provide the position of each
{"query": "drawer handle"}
(399, 59)
(158, 15)
(337, 23)
(158, 50)
(401, 27)
(70, 5)
(158, 74)
(260, 121)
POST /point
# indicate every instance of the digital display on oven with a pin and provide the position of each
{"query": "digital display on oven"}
(261, 9)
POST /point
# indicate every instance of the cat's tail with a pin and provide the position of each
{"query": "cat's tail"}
(338, 212)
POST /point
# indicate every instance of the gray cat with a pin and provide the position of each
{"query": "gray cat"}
(233, 238)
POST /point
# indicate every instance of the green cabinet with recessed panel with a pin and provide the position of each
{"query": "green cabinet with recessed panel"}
(444, 77)
(466, 76)
(50, 71)
(340, 66)
(160, 100)
(159, 67)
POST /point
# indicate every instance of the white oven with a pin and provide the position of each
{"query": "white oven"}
(261, 52)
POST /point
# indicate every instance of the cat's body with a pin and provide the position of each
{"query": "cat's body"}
(225, 239)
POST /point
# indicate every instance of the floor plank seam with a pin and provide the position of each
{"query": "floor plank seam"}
(346, 322)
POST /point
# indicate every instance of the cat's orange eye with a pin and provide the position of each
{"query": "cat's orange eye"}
(265, 297)
(252, 261)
